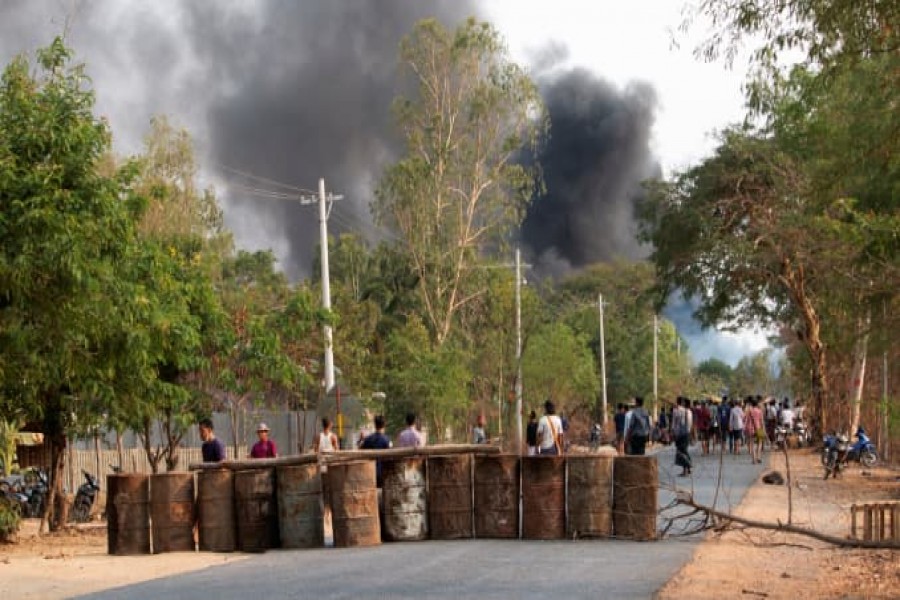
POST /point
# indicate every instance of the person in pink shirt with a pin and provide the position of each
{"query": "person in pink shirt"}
(410, 437)
(264, 448)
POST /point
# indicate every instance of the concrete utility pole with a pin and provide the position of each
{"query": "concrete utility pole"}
(325, 201)
(655, 369)
(518, 351)
(602, 360)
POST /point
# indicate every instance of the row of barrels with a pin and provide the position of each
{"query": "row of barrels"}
(436, 497)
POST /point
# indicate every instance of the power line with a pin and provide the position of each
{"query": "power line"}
(268, 180)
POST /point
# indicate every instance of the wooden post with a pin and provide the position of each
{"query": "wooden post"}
(867, 522)
(853, 511)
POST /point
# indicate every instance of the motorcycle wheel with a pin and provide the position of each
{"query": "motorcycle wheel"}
(81, 512)
(868, 458)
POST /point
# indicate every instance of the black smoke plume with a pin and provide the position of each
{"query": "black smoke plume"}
(290, 91)
(594, 163)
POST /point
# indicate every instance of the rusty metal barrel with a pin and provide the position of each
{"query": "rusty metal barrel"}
(589, 493)
(354, 504)
(497, 496)
(544, 497)
(215, 503)
(450, 510)
(300, 521)
(404, 499)
(172, 512)
(256, 509)
(128, 514)
(635, 487)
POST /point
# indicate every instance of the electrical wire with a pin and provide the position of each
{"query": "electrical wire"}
(262, 179)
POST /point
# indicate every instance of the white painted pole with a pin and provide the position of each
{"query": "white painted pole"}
(603, 361)
(518, 351)
(655, 369)
(326, 287)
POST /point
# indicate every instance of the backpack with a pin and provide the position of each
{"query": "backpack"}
(640, 423)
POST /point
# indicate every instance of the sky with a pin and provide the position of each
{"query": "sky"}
(296, 90)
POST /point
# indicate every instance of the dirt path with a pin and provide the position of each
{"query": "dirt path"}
(75, 562)
(756, 564)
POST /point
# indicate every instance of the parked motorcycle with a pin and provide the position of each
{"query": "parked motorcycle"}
(85, 498)
(781, 435)
(27, 491)
(863, 451)
(834, 453)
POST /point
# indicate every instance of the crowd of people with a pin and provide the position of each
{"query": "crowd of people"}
(727, 424)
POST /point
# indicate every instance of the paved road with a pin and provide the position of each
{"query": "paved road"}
(483, 569)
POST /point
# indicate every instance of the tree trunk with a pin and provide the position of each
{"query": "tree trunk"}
(859, 372)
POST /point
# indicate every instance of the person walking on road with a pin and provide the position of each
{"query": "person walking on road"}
(264, 448)
(736, 426)
(682, 421)
(637, 428)
(213, 450)
(549, 432)
(377, 441)
(620, 428)
(326, 441)
(410, 437)
(478, 434)
(753, 427)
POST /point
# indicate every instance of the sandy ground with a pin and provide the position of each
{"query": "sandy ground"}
(75, 562)
(758, 564)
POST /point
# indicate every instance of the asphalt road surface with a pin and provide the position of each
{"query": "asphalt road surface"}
(483, 569)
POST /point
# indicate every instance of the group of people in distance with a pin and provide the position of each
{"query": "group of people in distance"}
(730, 423)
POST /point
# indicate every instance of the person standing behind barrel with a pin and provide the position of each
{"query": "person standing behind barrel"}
(531, 434)
(326, 441)
(377, 441)
(549, 432)
(410, 437)
(213, 450)
(637, 428)
(264, 448)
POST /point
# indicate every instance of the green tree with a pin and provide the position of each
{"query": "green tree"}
(558, 364)
(716, 369)
(65, 231)
(460, 189)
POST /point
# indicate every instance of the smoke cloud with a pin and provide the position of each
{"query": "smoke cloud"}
(594, 163)
(288, 91)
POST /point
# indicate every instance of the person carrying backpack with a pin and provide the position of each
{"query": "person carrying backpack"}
(637, 430)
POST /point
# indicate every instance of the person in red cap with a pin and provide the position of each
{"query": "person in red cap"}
(264, 448)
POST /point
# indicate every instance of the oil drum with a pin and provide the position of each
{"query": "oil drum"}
(404, 499)
(215, 502)
(635, 487)
(589, 495)
(300, 520)
(256, 509)
(497, 496)
(128, 514)
(544, 497)
(172, 512)
(450, 510)
(354, 503)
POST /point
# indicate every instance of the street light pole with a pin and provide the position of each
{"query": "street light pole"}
(602, 360)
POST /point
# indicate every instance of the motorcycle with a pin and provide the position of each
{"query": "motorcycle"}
(28, 492)
(863, 451)
(84, 499)
(804, 437)
(781, 435)
(834, 453)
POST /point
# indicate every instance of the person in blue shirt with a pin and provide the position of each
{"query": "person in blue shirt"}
(724, 422)
(213, 450)
(377, 441)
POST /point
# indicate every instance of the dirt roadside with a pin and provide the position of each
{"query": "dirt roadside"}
(74, 561)
(760, 564)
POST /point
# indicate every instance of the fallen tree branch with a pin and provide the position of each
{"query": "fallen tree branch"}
(787, 528)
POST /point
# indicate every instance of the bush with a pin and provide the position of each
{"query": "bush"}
(10, 519)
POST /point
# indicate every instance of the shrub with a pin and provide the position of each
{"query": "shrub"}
(10, 519)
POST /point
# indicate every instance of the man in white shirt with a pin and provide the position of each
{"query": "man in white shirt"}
(549, 432)
(787, 417)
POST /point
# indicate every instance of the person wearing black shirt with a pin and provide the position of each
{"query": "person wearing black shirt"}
(213, 450)
(377, 441)
(531, 433)
(620, 428)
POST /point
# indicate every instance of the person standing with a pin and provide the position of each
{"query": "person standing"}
(326, 441)
(549, 432)
(620, 428)
(681, 428)
(753, 426)
(213, 450)
(637, 428)
(478, 434)
(725, 424)
(410, 437)
(264, 448)
(701, 424)
(531, 434)
(377, 441)
(736, 425)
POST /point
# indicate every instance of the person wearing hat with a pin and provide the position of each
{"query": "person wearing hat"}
(264, 448)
